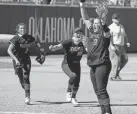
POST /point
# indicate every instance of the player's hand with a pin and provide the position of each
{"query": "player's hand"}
(42, 50)
(73, 74)
(80, 4)
(51, 48)
(128, 44)
(17, 62)
(18, 65)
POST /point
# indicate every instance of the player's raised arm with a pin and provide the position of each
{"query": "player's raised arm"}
(102, 11)
(84, 14)
(56, 47)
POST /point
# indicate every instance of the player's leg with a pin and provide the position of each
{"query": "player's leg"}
(68, 70)
(124, 60)
(77, 70)
(101, 75)
(113, 61)
(116, 63)
(94, 83)
(26, 76)
(19, 73)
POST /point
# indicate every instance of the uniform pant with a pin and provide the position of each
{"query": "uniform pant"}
(23, 74)
(99, 76)
(73, 71)
(119, 59)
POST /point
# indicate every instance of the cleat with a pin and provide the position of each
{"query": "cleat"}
(27, 100)
(74, 101)
(118, 78)
(113, 78)
(68, 96)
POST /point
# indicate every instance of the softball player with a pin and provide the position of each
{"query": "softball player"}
(117, 48)
(19, 52)
(71, 64)
(98, 54)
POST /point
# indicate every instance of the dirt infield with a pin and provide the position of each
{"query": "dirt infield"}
(48, 89)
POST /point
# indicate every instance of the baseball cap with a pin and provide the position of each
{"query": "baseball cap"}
(78, 29)
(115, 16)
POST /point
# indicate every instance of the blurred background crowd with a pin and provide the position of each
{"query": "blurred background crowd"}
(115, 3)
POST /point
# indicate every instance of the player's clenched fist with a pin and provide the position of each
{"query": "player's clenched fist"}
(51, 48)
(128, 44)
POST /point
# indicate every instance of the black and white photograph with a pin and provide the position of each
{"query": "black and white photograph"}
(68, 56)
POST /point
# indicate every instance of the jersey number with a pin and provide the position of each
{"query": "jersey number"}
(95, 41)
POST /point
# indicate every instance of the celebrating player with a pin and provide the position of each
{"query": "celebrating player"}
(117, 46)
(71, 64)
(98, 54)
(19, 52)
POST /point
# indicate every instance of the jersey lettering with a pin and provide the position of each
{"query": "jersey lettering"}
(78, 50)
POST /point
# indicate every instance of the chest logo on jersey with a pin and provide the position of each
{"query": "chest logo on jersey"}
(76, 49)
(95, 38)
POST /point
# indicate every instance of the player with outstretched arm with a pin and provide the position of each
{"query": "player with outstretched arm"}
(71, 64)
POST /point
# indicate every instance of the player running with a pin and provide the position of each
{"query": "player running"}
(98, 54)
(118, 46)
(19, 52)
(71, 64)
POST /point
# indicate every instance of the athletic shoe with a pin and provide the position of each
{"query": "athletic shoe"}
(27, 100)
(68, 96)
(113, 78)
(118, 78)
(74, 101)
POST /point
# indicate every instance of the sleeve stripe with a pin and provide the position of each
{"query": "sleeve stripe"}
(12, 43)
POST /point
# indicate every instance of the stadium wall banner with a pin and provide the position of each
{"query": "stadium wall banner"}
(52, 24)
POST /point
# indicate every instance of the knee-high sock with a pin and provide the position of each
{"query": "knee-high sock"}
(27, 90)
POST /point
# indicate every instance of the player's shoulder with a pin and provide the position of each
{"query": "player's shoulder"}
(110, 26)
(15, 38)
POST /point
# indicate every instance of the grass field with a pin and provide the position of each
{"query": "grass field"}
(48, 89)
